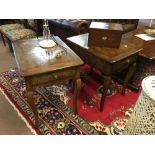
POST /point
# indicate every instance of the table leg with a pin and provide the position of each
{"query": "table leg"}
(129, 85)
(76, 94)
(30, 100)
(106, 84)
(130, 73)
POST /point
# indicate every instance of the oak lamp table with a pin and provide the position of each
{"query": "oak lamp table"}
(40, 69)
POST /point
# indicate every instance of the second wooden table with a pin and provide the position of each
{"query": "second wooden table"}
(107, 60)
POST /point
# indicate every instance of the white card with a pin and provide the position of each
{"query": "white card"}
(145, 37)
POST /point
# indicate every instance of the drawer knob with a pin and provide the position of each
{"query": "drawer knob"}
(55, 76)
(104, 38)
(127, 60)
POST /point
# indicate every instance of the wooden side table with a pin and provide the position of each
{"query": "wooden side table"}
(39, 69)
(107, 60)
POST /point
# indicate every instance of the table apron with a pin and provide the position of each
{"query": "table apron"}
(120, 65)
(52, 78)
(107, 68)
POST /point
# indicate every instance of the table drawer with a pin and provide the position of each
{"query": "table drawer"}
(124, 63)
(49, 77)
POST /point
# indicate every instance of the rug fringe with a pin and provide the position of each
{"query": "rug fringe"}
(19, 114)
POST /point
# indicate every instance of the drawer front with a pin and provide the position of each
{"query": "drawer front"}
(49, 77)
(120, 65)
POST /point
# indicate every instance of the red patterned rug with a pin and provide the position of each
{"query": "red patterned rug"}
(54, 103)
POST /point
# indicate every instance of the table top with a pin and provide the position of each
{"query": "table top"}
(110, 55)
(31, 59)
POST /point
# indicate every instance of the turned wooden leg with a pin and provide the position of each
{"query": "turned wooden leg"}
(30, 100)
(3, 39)
(76, 94)
(130, 73)
(106, 84)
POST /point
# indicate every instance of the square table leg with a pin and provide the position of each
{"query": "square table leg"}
(106, 84)
(130, 73)
(76, 94)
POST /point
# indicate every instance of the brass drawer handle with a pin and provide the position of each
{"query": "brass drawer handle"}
(128, 60)
(104, 38)
(55, 76)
